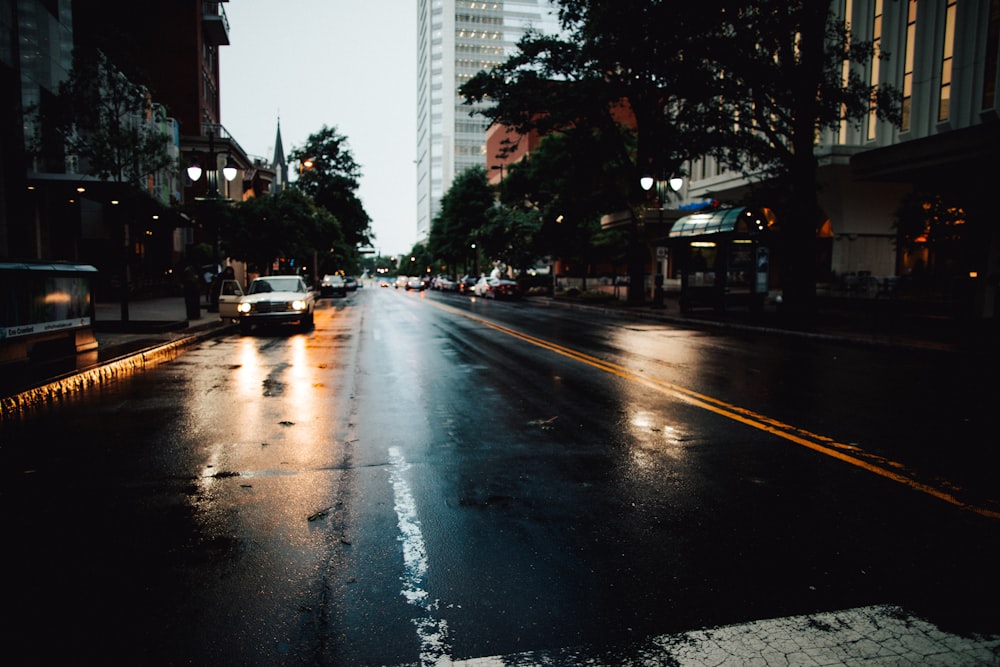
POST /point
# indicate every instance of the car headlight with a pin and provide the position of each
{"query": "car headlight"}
(244, 307)
(298, 304)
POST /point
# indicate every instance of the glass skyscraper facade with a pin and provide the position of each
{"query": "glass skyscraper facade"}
(455, 40)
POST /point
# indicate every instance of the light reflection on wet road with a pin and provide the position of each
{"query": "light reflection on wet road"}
(569, 481)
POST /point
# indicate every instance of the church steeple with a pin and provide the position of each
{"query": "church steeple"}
(280, 166)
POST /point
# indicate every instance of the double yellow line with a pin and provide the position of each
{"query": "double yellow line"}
(847, 453)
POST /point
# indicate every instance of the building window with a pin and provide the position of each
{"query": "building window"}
(846, 69)
(992, 48)
(947, 57)
(876, 52)
(911, 42)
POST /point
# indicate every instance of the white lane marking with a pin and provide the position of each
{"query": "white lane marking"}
(876, 635)
(431, 632)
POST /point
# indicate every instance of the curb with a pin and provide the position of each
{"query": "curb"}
(75, 382)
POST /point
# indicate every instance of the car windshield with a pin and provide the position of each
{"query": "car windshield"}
(276, 284)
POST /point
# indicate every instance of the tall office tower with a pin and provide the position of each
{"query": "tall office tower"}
(455, 40)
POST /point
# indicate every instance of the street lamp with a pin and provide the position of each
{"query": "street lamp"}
(662, 193)
(229, 172)
(674, 183)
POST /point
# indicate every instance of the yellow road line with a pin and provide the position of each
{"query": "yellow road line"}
(850, 454)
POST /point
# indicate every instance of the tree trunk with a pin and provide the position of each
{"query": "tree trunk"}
(803, 214)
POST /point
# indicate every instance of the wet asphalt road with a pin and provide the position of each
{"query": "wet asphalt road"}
(426, 477)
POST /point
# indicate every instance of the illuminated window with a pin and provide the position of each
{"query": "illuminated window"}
(911, 36)
(947, 56)
(876, 44)
(846, 68)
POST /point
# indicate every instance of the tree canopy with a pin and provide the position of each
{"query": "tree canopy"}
(332, 180)
(106, 121)
(661, 83)
(464, 209)
(287, 225)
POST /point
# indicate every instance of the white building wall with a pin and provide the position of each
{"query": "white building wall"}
(456, 39)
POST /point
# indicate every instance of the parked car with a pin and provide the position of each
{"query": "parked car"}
(351, 283)
(466, 283)
(444, 284)
(495, 288)
(276, 300)
(332, 285)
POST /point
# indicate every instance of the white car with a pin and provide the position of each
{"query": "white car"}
(273, 300)
(230, 293)
(496, 288)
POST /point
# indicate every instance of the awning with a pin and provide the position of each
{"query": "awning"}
(741, 220)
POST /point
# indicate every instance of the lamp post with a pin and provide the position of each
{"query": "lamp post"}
(212, 173)
(229, 172)
(663, 190)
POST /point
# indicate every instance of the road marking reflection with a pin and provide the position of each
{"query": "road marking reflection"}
(851, 454)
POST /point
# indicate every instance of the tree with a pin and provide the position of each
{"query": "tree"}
(462, 214)
(108, 126)
(106, 122)
(782, 81)
(507, 236)
(565, 188)
(618, 89)
(752, 83)
(332, 180)
(287, 225)
(416, 263)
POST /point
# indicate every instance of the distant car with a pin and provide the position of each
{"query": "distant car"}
(496, 288)
(276, 300)
(332, 285)
(400, 281)
(467, 283)
(351, 283)
(444, 284)
(414, 282)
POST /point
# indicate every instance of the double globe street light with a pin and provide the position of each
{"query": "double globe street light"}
(229, 171)
(662, 193)
(675, 183)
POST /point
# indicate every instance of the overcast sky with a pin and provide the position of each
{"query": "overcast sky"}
(346, 64)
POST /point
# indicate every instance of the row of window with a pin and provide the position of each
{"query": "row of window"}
(945, 59)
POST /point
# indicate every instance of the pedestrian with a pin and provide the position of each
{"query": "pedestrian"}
(192, 294)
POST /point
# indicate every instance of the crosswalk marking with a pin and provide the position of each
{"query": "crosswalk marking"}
(874, 636)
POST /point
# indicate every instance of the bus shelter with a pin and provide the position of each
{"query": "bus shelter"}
(723, 258)
(46, 310)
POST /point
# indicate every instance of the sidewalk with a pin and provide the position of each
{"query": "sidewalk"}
(156, 330)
